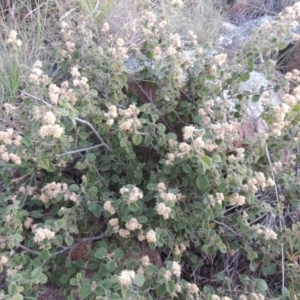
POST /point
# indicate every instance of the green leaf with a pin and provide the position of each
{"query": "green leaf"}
(100, 253)
(64, 279)
(139, 280)
(187, 169)
(133, 207)
(142, 219)
(206, 160)
(148, 140)
(85, 291)
(45, 255)
(138, 174)
(12, 289)
(217, 159)
(261, 286)
(18, 237)
(43, 279)
(110, 266)
(282, 45)
(202, 182)
(245, 76)
(161, 128)
(43, 163)
(17, 297)
(170, 286)
(69, 240)
(118, 253)
(161, 290)
(137, 139)
(36, 273)
(91, 157)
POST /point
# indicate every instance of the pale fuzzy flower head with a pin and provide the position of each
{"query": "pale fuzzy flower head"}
(157, 53)
(163, 210)
(220, 59)
(168, 197)
(145, 260)
(151, 236)
(176, 269)
(112, 111)
(113, 222)
(120, 42)
(126, 277)
(236, 199)
(133, 224)
(184, 147)
(215, 297)
(192, 288)
(74, 72)
(49, 118)
(105, 27)
(51, 130)
(124, 233)
(109, 207)
(42, 234)
(188, 132)
(28, 223)
(176, 251)
(161, 187)
(3, 260)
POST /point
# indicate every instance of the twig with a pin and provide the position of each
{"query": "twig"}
(76, 118)
(280, 214)
(80, 150)
(64, 249)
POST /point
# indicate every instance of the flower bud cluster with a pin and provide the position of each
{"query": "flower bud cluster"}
(179, 249)
(114, 223)
(42, 234)
(12, 39)
(111, 115)
(49, 127)
(51, 190)
(9, 138)
(126, 277)
(129, 122)
(268, 233)
(37, 76)
(131, 194)
(219, 198)
(133, 224)
(109, 207)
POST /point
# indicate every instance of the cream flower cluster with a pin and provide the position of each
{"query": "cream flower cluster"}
(179, 249)
(3, 260)
(236, 199)
(109, 207)
(238, 157)
(130, 122)
(252, 296)
(28, 223)
(42, 234)
(37, 76)
(219, 198)
(133, 224)
(216, 297)
(145, 260)
(79, 80)
(151, 236)
(119, 51)
(126, 277)
(220, 59)
(26, 190)
(12, 39)
(258, 181)
(51, 190)
(268, 233)
(67, 93)
(131, 194)
(163, 210)
(49, 127)
(176, 269)
(68, 37)
(111, 115)
(192, 288)
(8, 138)
(227, 132)
(124, 233)
(10, 109)
(114, 223)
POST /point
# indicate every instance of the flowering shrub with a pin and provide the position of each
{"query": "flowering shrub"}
(123, 183)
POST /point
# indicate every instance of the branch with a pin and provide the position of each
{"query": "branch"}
(76, 118)
(80, 150)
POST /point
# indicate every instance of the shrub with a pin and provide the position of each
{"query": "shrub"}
(128, 175)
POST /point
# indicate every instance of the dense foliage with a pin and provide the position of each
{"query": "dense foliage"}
(139, 171)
